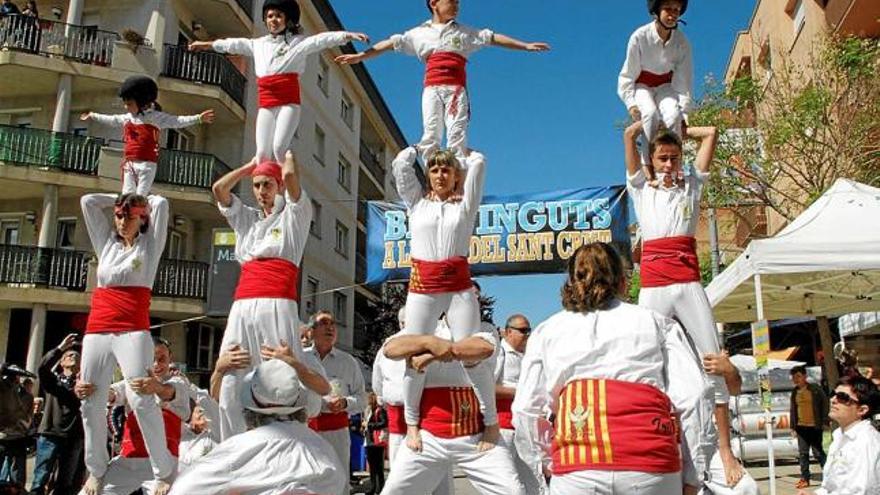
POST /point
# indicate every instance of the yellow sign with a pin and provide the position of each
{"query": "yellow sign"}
(761, 349)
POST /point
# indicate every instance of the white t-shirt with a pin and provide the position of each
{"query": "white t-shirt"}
(666, 212)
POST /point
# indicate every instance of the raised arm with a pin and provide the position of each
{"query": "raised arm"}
(505, 41)
(374, 51)
(405, 179)
(222, 189)
(167, 121)
(631, 148)
(233, 46)
(290, 176)
(708, 138)
(322, 41)
(98, 224)
(475, 177)
(158, 219)
(109, 120)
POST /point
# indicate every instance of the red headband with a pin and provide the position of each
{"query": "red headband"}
(132, 211)
(268, 168)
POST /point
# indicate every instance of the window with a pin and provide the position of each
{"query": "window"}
(346, 111)
(343, 174)
(341, 239)
(202, 346)
(65, 233)
(311, 295)
(340, 305)
(205, 351)
(799, 14)
(315, 226)
(320, 144)
(178, 140)
(9, 229)
(324, 76)
(174, 245)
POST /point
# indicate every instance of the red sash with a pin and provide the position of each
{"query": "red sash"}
(329, 421)
(668, 261)
(141, 142)
(652, 80)
(450, 412)
(133, 440)
(613, 425)
(437, 277)
(278, 90)
(119, 309)
(505, 415)
(396, 421)
(268, 278)
(446, 69)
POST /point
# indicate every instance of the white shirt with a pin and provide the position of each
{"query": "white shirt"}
(440, 229)
(451, 374)
(151, 117)
(647, 51)
(627, 343)
(281, 54)
(279, 458)
(429, 38)
(179, 405)
(666, 212)
(853, 465)
(282, 234)
(193, 447)
(118, 265)
(387, 379)
(508, 365)
(346, 379)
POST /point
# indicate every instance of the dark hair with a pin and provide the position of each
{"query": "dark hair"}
(428, 4)
(291, 11)
(664, 136)
(157, 341)
(798, 369)
(865, 391)
(595, 277)
(129, 200)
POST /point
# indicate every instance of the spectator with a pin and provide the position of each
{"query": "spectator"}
(809, 410)
(376, 421)
(16, 416)
(61, 435)
(8, 8)
(30, 9)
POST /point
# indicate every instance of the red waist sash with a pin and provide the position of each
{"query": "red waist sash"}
(141, 142)
(119, 309)
(436, 277)
(450, 412)
(133, 440)
(274, 278)
(396, 421)
(446, 69)
(278, 89)
(613, 425)
(653, 80)
(668, 261)
(329, 421)
(505, 415)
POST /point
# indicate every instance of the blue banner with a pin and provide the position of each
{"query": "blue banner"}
(514, 234)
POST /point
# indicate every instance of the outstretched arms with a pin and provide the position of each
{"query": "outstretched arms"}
(505, 41)
(374, 51)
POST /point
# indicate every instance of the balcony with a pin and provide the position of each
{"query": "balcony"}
(360, 269)
(178, 278)
(372, 163)
(853, 17)
(187, 168)
(44, 267)
(247, 6)
(84, 44)
(204, 68)
(66, 152)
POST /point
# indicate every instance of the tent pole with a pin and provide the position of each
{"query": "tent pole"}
(768, 419)
(827, 342)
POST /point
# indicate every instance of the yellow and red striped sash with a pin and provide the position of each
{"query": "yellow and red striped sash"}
(449, 412)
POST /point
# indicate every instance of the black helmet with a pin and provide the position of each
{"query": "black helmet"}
(654, 6)
(141, 89)
(289, 7)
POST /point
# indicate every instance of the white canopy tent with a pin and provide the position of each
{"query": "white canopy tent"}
(855, 323)
(825, 263)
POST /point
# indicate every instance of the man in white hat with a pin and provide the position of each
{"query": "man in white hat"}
(281, 454)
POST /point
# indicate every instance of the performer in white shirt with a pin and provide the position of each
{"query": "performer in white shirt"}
(444, 46)
(281, 455)
(128, 249)
(853, 465)
(270, 241)
(450, 419)
(279, 60)
(347, 394)
(619, 380)
(656, 80)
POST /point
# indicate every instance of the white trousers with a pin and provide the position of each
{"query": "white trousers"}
(396, 442)
(252, 323)
(463, 315)
(491, 472)
(133, 352)
(138, 177)
(275, 129)
(589, 482)
(687, 302)
(657, 105)
(717, 484)
(444, 107)
(340, 440)
(529, 479)
(125, 475)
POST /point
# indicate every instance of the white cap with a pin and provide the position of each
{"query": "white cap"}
(272, 388)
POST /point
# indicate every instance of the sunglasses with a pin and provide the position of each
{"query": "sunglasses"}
(524, 330)
(844, 398)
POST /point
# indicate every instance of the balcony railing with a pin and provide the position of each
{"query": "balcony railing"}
(187, 168)
(46, 267)
(86, 44)
(68, 152)
(178, 278)
(372, 162)
(247, 6)
(207, 68)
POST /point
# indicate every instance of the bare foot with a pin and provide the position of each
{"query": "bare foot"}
(490, 437)
(413, 438)
(733, 470)
(162, 487)
(92, 485)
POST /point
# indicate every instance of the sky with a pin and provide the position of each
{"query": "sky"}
(545, 121)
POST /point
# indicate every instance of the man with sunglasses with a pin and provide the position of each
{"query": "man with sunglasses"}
(808, 414)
